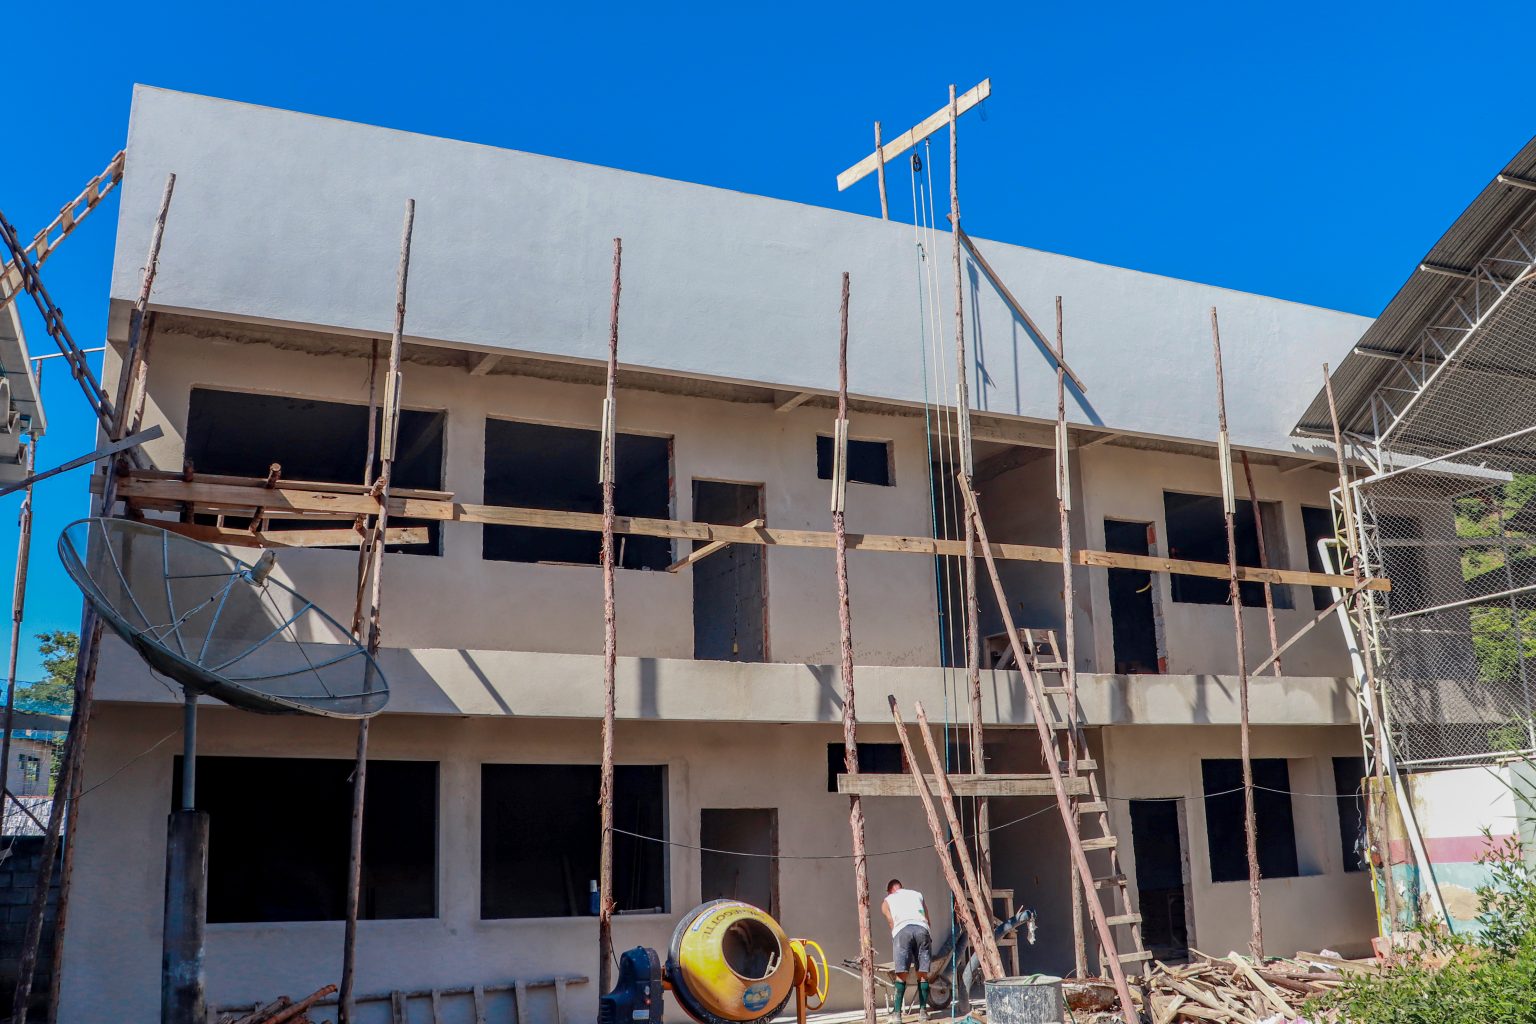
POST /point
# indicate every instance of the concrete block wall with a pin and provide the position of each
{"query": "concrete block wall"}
(18, 887)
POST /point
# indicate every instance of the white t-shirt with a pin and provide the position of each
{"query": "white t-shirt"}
(906, 906)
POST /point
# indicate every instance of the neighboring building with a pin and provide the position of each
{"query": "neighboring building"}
(31, 767)
(21, 405)
(278, 273)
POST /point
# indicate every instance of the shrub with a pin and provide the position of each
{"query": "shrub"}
(1445, 979)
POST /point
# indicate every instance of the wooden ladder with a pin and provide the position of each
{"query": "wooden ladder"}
(1093, 827)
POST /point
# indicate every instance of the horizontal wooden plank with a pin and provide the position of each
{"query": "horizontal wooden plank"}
(912, 136)
(964, 785)
(329, 538)
(284, 498)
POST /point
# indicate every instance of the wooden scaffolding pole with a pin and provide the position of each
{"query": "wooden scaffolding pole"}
(885, 208)
(1357, 610)
(1047, 754)
(18, 612)
(1269, 591)
(965, 909)
(1069, 627)
(1229, 502)
(980, 902)
(845, 629)
(967, 457)
(605, 904)
(115, 420)
(131, 383)
(365, 549)
(389, 436)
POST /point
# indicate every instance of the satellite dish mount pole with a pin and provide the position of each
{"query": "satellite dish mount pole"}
(186, 889)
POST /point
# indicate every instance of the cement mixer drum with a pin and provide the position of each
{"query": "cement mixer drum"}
(730, 963)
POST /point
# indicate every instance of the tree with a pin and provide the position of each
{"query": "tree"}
(60, 651)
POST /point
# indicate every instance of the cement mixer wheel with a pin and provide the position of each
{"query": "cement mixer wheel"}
(685, 998)
(939, 992)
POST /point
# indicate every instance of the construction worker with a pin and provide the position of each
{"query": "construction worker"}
(907, 914)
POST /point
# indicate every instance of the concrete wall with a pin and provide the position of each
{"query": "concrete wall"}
(296, 219)
(1324, 906)
(515, 606)
(113, 946)
(18, 887)
(1127, 484)
(558, 608)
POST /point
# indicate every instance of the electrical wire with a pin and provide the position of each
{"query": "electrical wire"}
(928, 846)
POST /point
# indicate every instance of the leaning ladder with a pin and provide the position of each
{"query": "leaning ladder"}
(1093, 827)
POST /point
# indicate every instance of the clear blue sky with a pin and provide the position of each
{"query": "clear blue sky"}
(1312, 152)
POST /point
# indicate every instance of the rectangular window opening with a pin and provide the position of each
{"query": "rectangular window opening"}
(534, 465)
(1318, 525)
(1197, 531)
(874, 759)
(1274, 823)
(540, 834)
(31, 767)
(1348, 779)
(236, 433)
(869, 462)
(259, 873)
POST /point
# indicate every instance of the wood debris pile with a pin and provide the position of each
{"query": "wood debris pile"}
(1238, 990)
(281, 1010)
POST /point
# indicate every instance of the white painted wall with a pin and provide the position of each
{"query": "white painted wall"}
(296, 219)
(1323, 907)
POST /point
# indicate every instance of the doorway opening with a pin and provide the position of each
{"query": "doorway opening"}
(753, 878)
(1132, 615)
(1157, 839)
(730, 587)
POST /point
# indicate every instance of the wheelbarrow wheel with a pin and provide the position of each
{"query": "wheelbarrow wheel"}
(939, 992)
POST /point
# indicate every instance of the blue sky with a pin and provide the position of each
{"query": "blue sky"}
(1312, 152)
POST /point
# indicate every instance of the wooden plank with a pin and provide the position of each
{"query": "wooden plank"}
(559, 1001)
(437, 1007)
(397, 1008)
(912, 136)
(485, 364)
(520, 997)
(1259, 983)
(1017, 307)
(479, 997)
(963, 785)
(292, 538)
(284, 499)
(794, 401)
(708, 549)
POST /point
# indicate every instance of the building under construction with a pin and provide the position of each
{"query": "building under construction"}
(1006, 411)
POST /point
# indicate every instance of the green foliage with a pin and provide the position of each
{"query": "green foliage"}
(60, 650)
(1455, 979)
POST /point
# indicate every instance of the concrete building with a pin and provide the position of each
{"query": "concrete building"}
(277, 276)
(21, 404)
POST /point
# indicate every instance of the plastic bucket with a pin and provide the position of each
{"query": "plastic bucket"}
(1033, 999)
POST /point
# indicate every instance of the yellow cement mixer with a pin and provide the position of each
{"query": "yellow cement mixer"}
(729, 963)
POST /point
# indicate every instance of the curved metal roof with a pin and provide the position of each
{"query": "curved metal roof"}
(1481, 231)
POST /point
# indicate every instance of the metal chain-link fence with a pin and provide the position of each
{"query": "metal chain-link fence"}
(1450, 517)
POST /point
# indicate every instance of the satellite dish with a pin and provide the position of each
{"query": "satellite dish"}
(217, 625)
